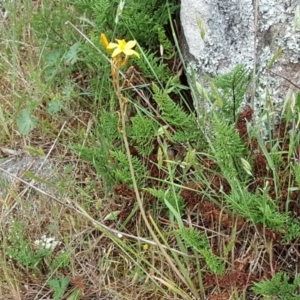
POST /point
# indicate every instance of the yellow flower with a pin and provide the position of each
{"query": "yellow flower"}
(123, 47)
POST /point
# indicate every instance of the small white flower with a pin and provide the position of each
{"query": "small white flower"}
(47, 243)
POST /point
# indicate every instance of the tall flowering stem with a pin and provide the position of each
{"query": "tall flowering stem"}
(120, 53)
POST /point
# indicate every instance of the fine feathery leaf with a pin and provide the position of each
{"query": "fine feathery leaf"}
(231, 87)
(228, 149)
(200, 243)
(257, 208)
(141, 132)
(170, 112)
(279, 287)
(122, 171)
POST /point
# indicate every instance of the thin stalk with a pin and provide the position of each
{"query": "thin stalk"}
(123, 103)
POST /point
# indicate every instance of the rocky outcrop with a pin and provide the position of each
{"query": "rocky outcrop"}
(218, 35)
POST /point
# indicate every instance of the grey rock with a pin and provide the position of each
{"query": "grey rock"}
(232, 37)
(15, 168)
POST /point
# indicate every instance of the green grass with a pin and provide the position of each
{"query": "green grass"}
(150, 201)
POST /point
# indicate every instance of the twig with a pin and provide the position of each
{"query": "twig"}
(294, 84)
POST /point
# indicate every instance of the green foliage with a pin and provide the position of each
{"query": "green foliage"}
(142, 18)
(73, 72)
(59, 286)
(279, 287)
(109, 159)
(142, 131)
(200, 243)
(297, 101)
(228, 149)
(174, 115)
(296, 171)
(228, 91)
(257, 208)
(20, 249)
(100, 159)
(106, 135)
(49, 24)
(62, 260)
(152, 68)
(168, 48)
(52, 60)
(170, 112)
(99, 10)
(54, 106)
(145, 20)
(54, 70)
(25, 121)
(173, 198)
(122, 171)
(292, 230)
(108, 126)
(274, 58)
(189, 134)
(72, 55)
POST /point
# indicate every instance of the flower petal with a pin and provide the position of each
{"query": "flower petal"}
(130, 44)
(130, 52)
(136, 54)
(112, 46)
(104, 40)
(116, 52)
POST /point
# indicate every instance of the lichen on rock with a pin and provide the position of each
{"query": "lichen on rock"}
(248, 32)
